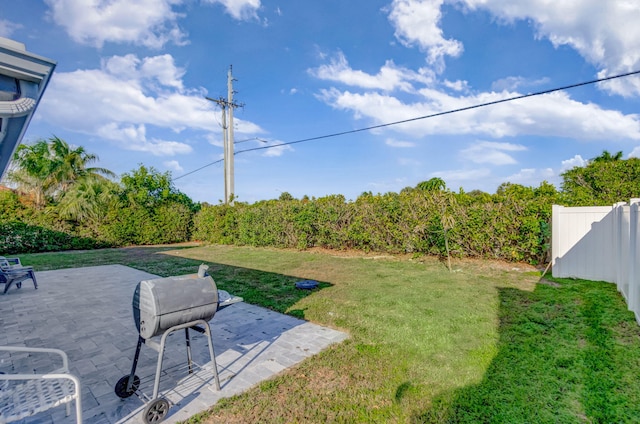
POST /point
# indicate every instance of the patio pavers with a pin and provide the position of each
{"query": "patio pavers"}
(87, 313)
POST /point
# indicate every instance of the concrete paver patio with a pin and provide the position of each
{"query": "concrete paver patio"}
(87, 313)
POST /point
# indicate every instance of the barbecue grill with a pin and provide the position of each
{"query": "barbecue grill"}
(166, 302)
(162, 306)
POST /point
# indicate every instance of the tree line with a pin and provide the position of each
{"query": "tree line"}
(59, 201)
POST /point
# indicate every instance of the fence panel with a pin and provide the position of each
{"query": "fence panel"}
(599, 244)
(633, 299)
(582, 243)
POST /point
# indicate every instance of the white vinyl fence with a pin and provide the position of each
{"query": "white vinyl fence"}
(599, 244)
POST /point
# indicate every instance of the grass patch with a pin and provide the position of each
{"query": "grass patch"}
(486, 343)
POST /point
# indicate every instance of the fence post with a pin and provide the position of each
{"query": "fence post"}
(556, 210)
(633, 301)
(618, 246)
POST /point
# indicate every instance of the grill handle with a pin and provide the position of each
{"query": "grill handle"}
(202, 270)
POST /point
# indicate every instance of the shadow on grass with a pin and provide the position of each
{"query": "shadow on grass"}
(565, 355)
(270, 290)
(275, 291)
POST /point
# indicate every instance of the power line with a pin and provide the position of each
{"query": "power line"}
(213, 163)
(250, 139)
(448, 112)
(196, 170)
(219, 160)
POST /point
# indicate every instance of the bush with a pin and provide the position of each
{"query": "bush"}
(511, 224)
(170, 222)
(18, 237)
(10, 206)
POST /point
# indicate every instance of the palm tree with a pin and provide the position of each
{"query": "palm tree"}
(434, 184)
(88, 200)
(31, 171)
(50, 167)
(608, 157)
(70, 165)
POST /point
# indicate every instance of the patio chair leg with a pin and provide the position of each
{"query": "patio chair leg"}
(33, 278)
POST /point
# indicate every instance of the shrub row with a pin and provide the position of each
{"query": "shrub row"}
(512, 224)
(18, 237)
(136, 225)
(25, 229)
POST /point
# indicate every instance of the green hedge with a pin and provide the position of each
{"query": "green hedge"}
(512, 225)
(167, 223)
(18, 237)
(25, 229)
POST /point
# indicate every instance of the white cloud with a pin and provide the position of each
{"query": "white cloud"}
(153, 70)
(573, 162)
(531, 176)
(605, 33)
(128, 94)
(244, 128)
(214, 139)
(398, 143)
(389, 78)
(150, 23)
(491, 152)
(554, 114)
(174, 165)
(7, 28)
(416, 22)
(126, 134)
(626, 86)
(635, 153)
(163, 70)
(276, 148)
(242, 10)
(457, 85)
(462, 175)
(513, 83)
(162, 147)
(131, 137)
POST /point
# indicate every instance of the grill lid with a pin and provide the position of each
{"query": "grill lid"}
(162, 303)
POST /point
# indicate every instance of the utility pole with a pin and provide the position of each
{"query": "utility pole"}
(227, 137)
(229, 172)
(225, 144)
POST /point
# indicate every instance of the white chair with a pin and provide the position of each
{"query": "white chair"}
(24, 395)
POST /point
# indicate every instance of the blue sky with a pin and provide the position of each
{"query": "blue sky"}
(132, 77)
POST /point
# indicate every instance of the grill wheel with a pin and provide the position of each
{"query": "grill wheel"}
(121, 386)
(155, 411)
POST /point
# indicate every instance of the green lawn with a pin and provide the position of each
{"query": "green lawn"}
(487, 343)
